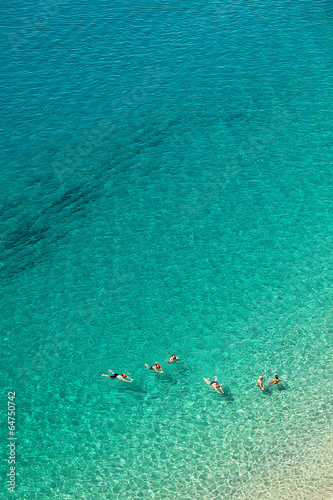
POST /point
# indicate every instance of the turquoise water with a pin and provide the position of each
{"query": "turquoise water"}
(167, 187)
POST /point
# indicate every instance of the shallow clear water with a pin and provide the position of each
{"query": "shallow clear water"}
(167, 187)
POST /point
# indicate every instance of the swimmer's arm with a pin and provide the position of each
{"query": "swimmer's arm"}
(126, 380)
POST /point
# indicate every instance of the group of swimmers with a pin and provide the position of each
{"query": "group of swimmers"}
(158, 369)
(275, 381)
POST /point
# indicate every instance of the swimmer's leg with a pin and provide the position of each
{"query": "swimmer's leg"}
(206, 380)
(147, 366)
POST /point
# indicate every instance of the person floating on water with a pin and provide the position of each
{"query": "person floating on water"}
(276, 380)
(123, 376)
(259, 382)
(173, 358)
(156, 367)
(214, 384)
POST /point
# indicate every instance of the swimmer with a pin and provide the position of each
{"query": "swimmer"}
(276, 380)
(214, 384)
(173, 358)
(259, 382)
(123, 376)
(156, 367)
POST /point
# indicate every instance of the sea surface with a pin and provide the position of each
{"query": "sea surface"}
(166, 175)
